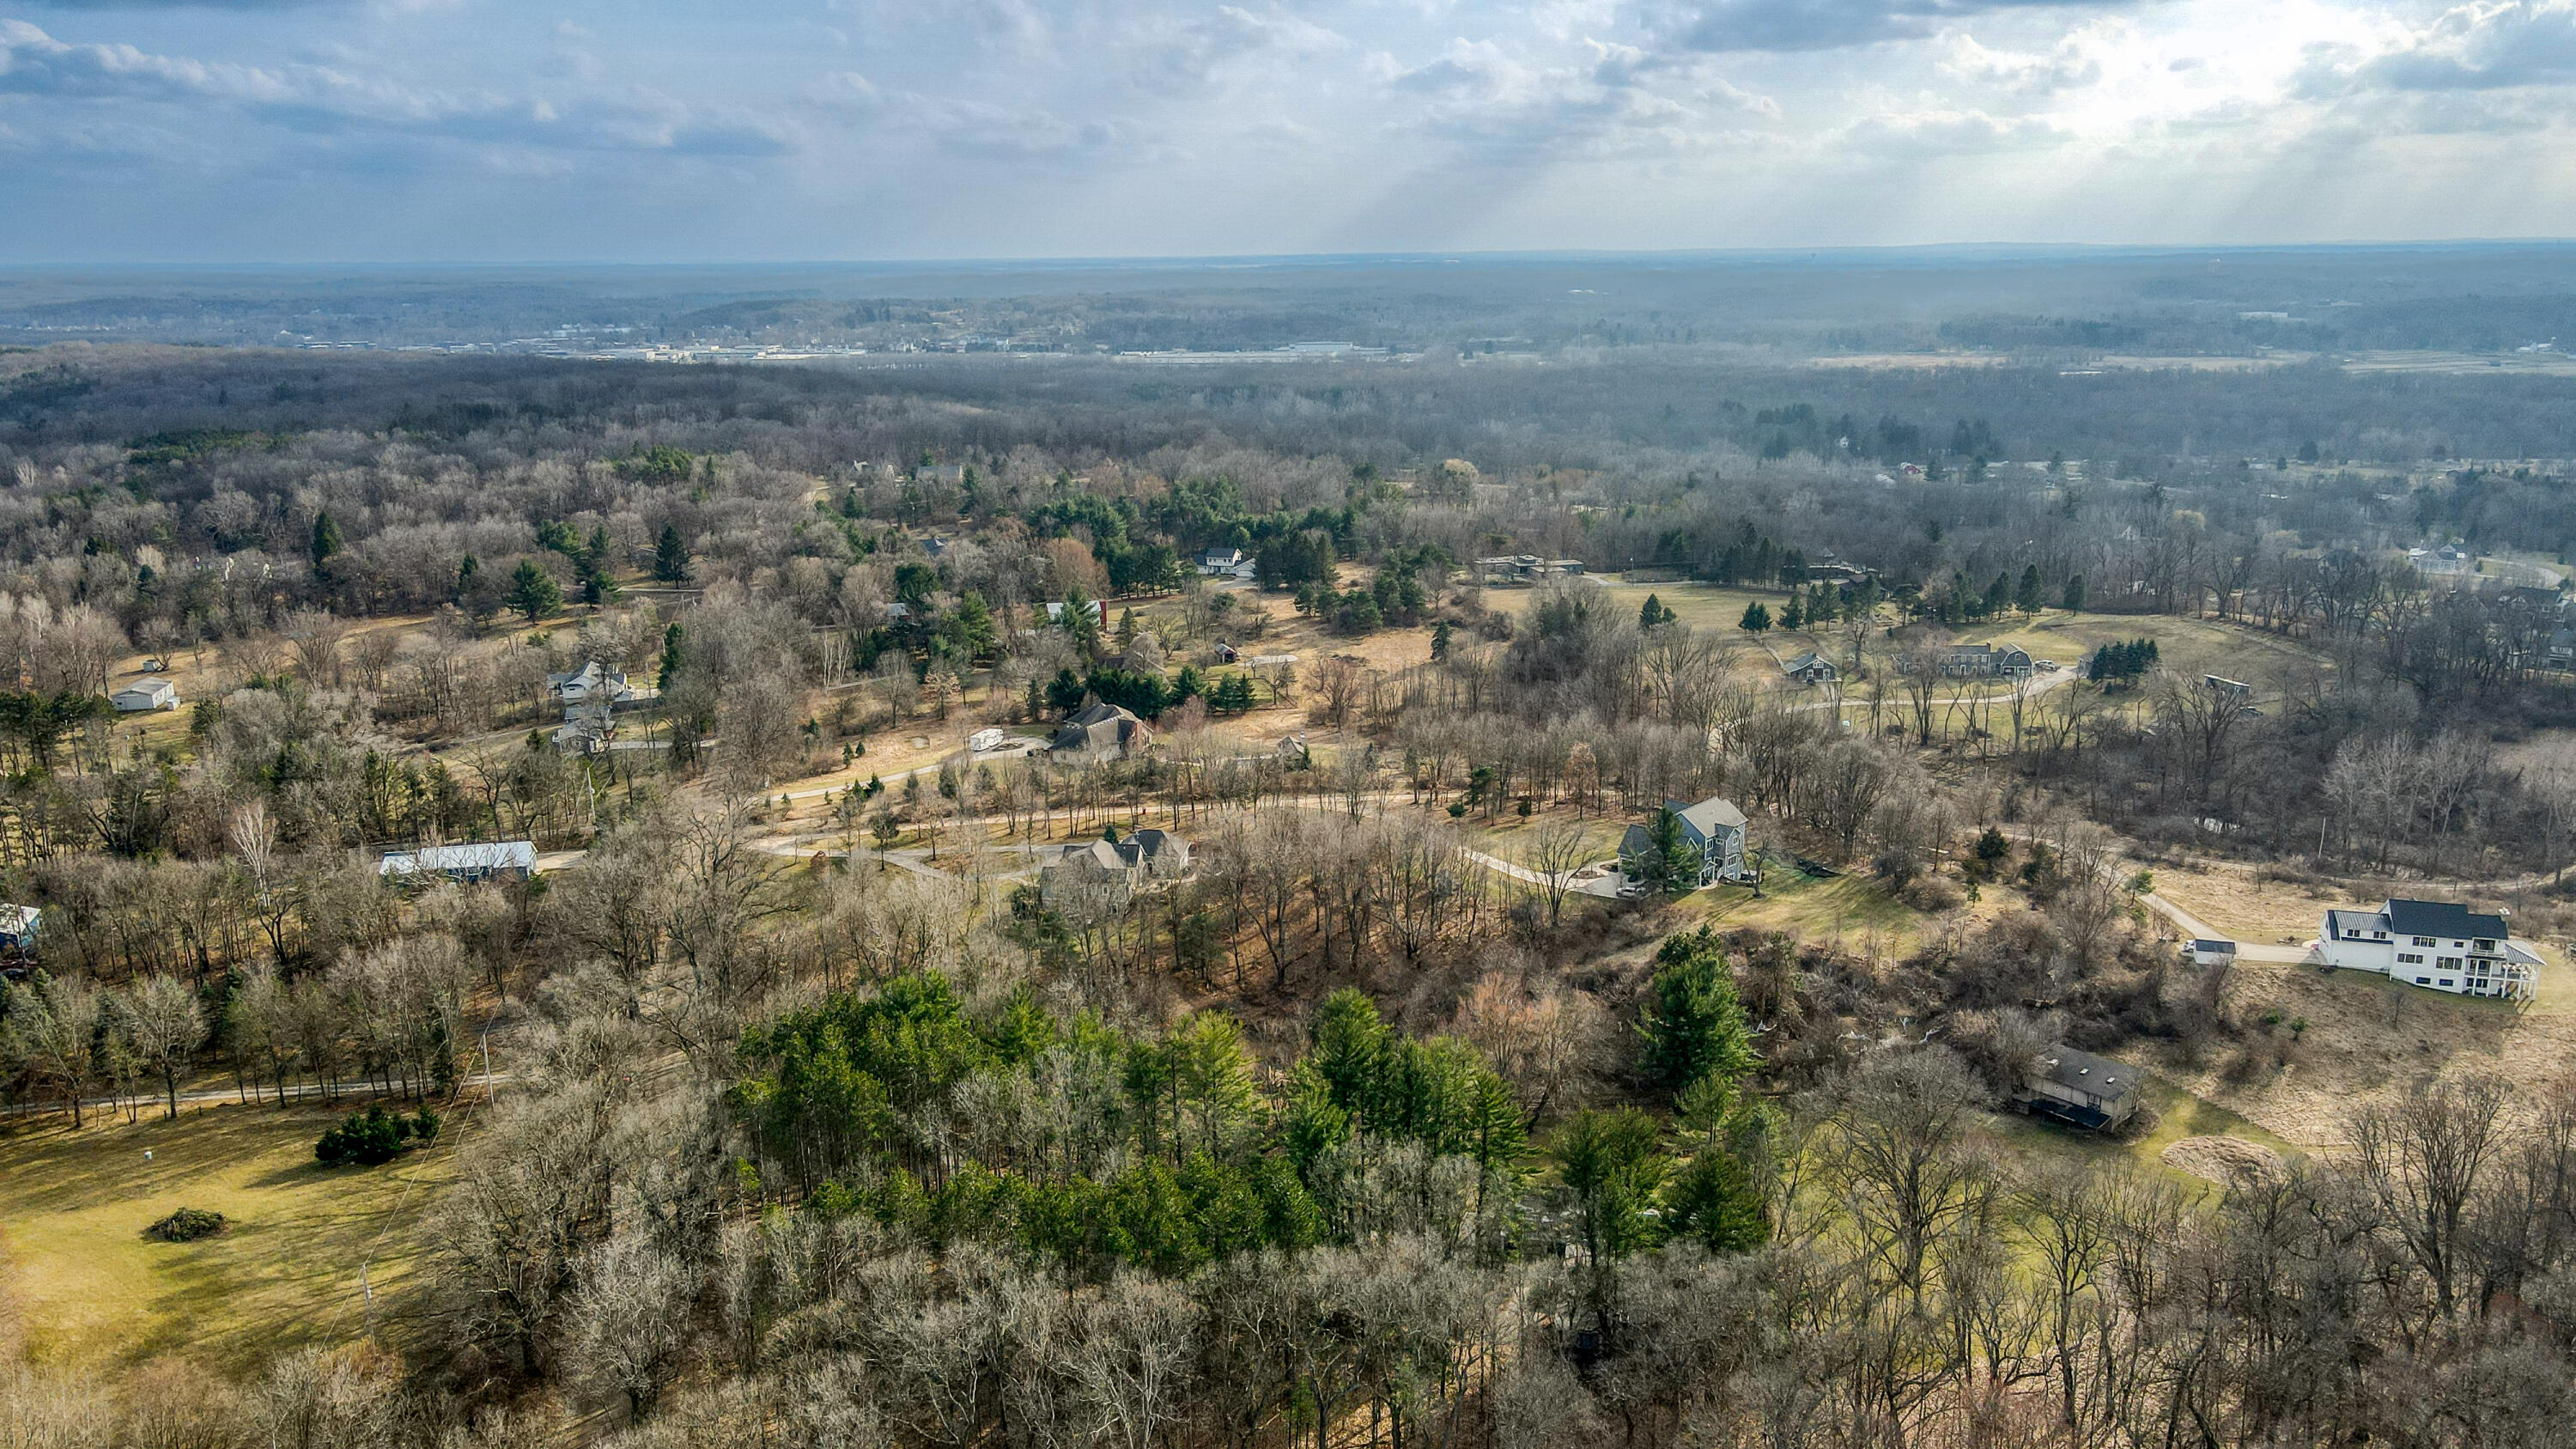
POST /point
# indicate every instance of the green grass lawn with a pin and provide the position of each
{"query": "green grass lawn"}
(2178, 1114)
(2190, 647)
(1841, 908)
(73, 1207)
(1508, 837)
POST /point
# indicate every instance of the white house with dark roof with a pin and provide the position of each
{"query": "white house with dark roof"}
(1714, 828)
(1227, 563)
(2438, 945)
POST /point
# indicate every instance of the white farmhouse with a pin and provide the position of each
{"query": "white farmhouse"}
(2439, 945)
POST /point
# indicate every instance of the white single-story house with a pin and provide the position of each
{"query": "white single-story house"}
(2079, 1088)
(2438, 945)
(145, 695)
(2207, 952)
(478, 861)
(1714, 831)
(594, 683)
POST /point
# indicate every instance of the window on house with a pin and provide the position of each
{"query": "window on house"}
(2423, 980)
(2449, 963)
(2446, 980)
(2426, 941)
(2486, 945)
(2410, 958)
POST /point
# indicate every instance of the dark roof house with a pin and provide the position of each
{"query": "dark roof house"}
(1812, 668)
(1103, 728)
(2079, 1088)
(1111, 872)
(1713, 829)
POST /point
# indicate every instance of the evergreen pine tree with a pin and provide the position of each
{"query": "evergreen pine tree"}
(325, 544)
(671, 556)
(675, 652)
(533, 591)
(1693, 1025)
(1757, 619)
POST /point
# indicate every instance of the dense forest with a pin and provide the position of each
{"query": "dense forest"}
(815, 1116)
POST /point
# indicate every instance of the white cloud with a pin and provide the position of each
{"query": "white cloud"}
(2068, 64)
(2468, 47)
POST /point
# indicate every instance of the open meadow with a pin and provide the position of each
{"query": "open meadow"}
(285, 1271)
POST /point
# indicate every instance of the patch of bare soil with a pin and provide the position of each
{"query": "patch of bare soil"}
(2223, 1160)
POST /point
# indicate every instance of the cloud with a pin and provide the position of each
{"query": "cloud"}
(966, 126)
(325, 101)
(1510, 107)
(1923, 135)
(1797, 25)
(2067, 65)
(1175, 55)
(2466, 48)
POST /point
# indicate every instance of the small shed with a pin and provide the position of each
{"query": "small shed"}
(2205, 952)
(984, 741)
(2079, 1089)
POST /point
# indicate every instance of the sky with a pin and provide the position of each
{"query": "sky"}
(821, 130)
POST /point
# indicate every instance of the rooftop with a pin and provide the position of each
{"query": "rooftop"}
(2086, 1072)
(2443, 918)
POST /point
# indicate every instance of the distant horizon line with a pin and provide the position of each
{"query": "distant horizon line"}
(1253, 260)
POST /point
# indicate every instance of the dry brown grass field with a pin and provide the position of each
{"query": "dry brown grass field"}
(284, 1273)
